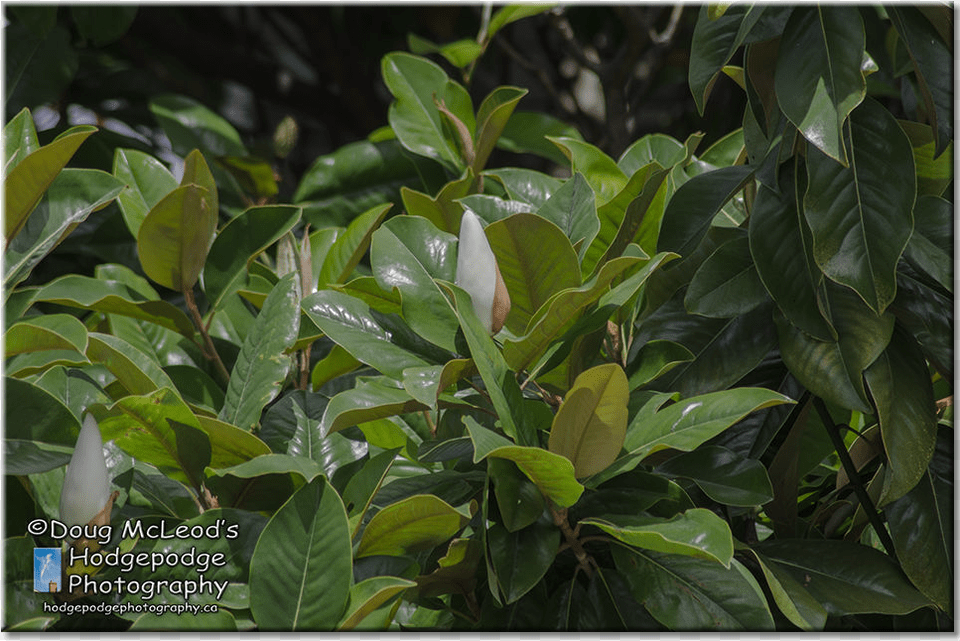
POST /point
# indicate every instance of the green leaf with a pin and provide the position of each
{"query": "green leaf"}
(932, 59)
(519, 500)
(351, 245)
(103, 24)
(159, 429)
(786, 267)
(148, 181)
(136, 371)
(415, 82)
(573, 209)
(414, 524)
(922, 541)
(687, 593)
(590, 425)
(423, 306)
(444, 211)
(190, 125)
(230, 445)
(861, 215)
(901, 391)
(513, 12)
(600, 170)
(551, 473)
(845, 577)
(368, 595)
(662, 149)
(930, 247)
(26, 183)
(934, 173)
(727, 283)
(531, 131)
(723, 475)
(368, 401)
(19, 140)
(689, 423)
(113, 297)
(175, 236)
(691, 210)
(715, 39)
(655, 358)
(490, 209)
(46, 332)
(459, 53)
(434, 249)
(522, 558)
(253, 174)
(526, 185)
(697, 532)
(33, 414)
(792, 598)
(337, 362)
(372, 337)
(301, 569)
(492, 117)
(241, 240)
(31, 457)
(262, 365)
(818, 77)
(834, 370)
(73, 195)
(531, 277)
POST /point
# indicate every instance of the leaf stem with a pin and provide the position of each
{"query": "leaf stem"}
(210, 352)
(868, 507)
(560, 519)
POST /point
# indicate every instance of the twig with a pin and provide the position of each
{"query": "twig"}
(583, 559)
(855, 481)
(210, 352)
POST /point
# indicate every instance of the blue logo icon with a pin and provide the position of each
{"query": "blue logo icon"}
(46, 570)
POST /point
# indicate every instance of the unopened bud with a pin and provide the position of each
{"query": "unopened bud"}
(86, 487)
(479, 275)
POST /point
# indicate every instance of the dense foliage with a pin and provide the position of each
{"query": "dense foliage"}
(721, 399)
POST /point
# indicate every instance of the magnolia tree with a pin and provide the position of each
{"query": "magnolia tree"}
(683, 388)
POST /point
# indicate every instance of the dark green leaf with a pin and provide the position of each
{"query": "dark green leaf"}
(723, 475)
(190, 125)
(33, 414)
(530, 132)
(715, 39)
(351, 245)
(727, 283)
(522, 558)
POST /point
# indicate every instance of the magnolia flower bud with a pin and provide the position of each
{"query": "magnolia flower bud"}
(86, 488)
(479, 275)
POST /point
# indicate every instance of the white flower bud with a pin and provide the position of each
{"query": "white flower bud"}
(479, 275)
(86, 487)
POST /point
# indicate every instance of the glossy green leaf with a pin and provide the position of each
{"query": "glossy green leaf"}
(492, 117)
(33, 414)
(715, 39)
(551, 473)
(930, 247)
(31, 457)
(519, 500)
(434, 249)
(372, 337)
(26, 183)
(513, 12)
(175, 236)
(697, 532)
(934, 173)
(818, 77)
(564, 307)
(691, 210)
(861, 215)
(148, 181)
(444, 211)
(300, 573)
(901, 391)
(136, 371)
(351, 245)
(158, 428)
(920, 309)
(723, 475)
(368, 401)
(49, 331)
(922, 541)
(833, 370)
(300, 467)
(781, 246)
(600, 170)
(792, 598)
(687, 593)
(522, 558)
(531, 277)
(530, 132)
(931, 58)
(573, 208)
(414, 524)
(262, 366)
(490, 209)
(230, 445)
(190, 125)
(254, 175)
(590, 425)
(662, 149)
(459, 53)
(526, 185)
(655, 358)
(19, 140)
(368, 595)
(423, 306)
(72, 196)
(337, 362)
(415, 83)
(241, 240)
(845, 577)
(113, 297)
(727, 283)
(689, 423)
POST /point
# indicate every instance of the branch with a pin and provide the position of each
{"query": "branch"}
(210, 352)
